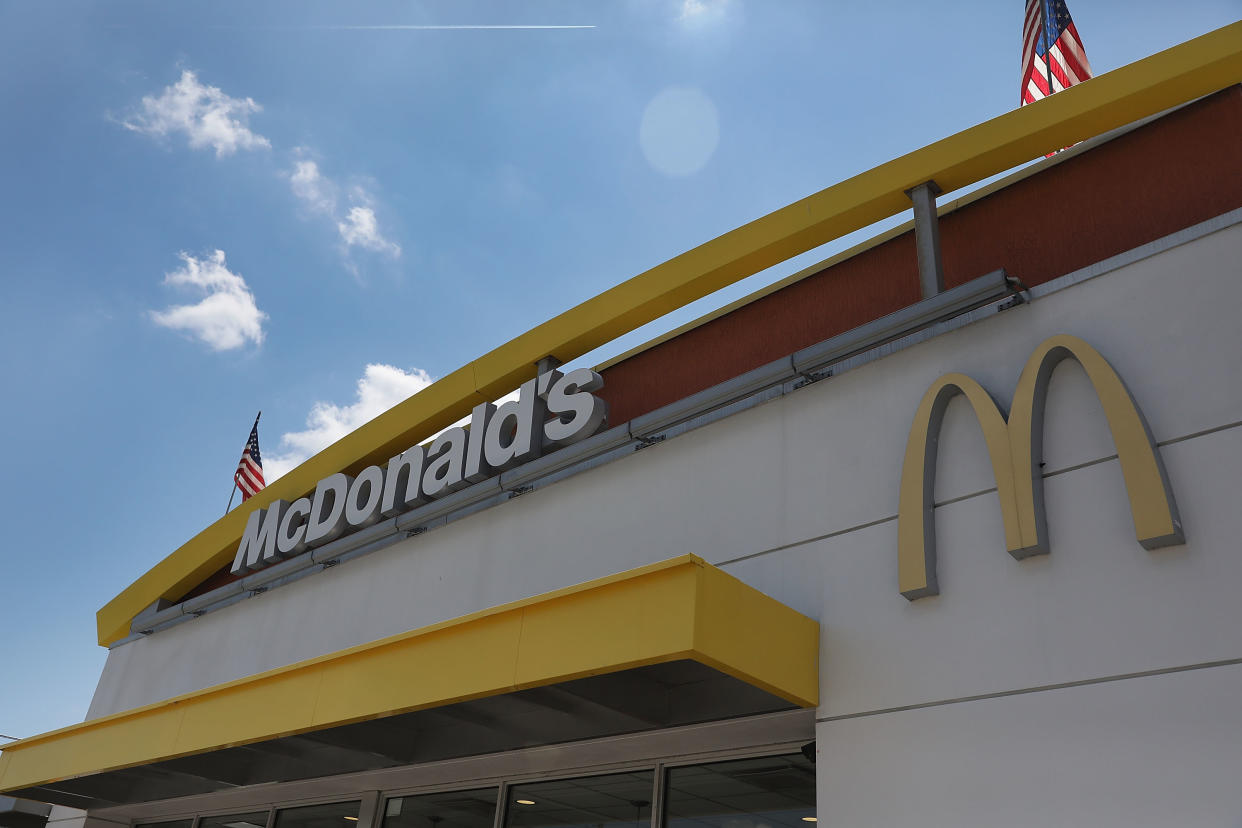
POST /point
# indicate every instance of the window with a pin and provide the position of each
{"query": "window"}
(621, 800)
(332, 815)
(454, 809)
(257, 819)
(759, 792)
(771, 792)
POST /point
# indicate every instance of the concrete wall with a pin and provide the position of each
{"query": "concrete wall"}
(1021, 676)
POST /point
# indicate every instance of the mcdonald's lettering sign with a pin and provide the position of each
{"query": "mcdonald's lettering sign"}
(1015, 446)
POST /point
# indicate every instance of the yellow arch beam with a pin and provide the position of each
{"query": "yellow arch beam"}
(1146, 87)
(1016, 451)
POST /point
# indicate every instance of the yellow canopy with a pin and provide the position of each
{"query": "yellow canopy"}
(666, 644)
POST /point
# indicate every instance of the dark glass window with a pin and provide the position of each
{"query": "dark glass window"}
(455, 809)
(772, 792)
(622, 800)
(258, 819)
(176, 823)
(332, 815)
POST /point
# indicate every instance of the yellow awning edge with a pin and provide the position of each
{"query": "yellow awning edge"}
(1146, 87)
(682, 608)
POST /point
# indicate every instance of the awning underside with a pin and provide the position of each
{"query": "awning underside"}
(671, 644)
(663, 695)
(21, 813)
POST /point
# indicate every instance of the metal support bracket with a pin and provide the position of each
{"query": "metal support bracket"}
(812, 377)
(927, 237)
(1021, 294)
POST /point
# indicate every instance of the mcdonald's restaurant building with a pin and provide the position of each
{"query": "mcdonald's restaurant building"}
(945, 530)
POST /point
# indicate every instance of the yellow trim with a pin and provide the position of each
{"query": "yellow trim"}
(1016, 451)
(766, 290)
(943, 209)
(1183, 73)
(916, 527)
(1151, 499)
(683, 608)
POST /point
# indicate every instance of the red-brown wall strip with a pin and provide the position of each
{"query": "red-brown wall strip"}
(865, 287)
(217, 579)
(1180, 170)
(1170, 174)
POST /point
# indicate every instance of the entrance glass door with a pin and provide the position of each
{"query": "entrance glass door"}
(618, 800)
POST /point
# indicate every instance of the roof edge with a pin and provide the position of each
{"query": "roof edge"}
(1175, 76)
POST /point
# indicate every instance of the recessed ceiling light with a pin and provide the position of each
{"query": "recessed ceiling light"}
(352, 819)
(526, 802)
(810, 819)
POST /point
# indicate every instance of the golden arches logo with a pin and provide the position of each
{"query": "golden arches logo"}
(1015, 446)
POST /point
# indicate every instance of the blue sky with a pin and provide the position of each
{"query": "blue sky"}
(212, 208)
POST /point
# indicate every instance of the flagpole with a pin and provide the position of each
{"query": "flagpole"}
(1043, 11)
(1047, 36)
(234, 491)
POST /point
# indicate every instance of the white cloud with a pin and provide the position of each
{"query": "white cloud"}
(379, 389)
(226, 318)
(207, 116)
(360, 228)
(309, 185)
(702, 10)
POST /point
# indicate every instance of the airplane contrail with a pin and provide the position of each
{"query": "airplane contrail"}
(380, 27)
(460, 26)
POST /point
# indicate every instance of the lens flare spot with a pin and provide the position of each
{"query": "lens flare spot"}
(679, 131)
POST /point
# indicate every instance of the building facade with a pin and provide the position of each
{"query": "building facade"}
(846, 550)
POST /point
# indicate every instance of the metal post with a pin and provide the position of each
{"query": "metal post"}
(546, 364)
(370, 815)
(657, 804)
(502, 805)
(927, 237)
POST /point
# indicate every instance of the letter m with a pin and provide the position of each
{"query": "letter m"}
(1015, 447)
(258, 543)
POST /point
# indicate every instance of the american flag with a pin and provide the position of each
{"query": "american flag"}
(249, 474)
(1052, 55)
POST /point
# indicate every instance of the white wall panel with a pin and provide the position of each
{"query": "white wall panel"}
(1099, 605)
(1156, 751)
